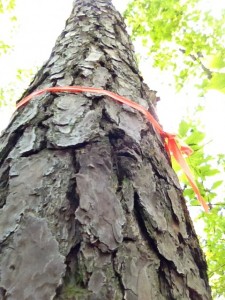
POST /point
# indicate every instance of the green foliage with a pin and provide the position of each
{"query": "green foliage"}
(179, 35)
(203, 166)
(214, 247)
(217, 82)
(209, 174)
(16, 87)
(4, 47)
(7, 5)
(6, 17)
(217, 61)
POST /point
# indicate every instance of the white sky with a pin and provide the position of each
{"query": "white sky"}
(40, 23)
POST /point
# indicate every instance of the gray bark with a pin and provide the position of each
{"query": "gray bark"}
(90, 207)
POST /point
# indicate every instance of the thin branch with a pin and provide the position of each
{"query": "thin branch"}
(198, 59)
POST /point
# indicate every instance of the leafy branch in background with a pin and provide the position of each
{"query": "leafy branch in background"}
(214, 247)
(214, 242)
(205, 168)
(217, 64)
(180, 35)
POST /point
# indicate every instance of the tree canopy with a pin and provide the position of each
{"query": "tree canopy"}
(186, 37)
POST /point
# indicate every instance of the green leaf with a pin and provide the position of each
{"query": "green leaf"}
(218, 82)
(183, 128)
(207, 171)
(216, 184)
(4, 47)
(217, 61)
(7, 5)
(195, 138)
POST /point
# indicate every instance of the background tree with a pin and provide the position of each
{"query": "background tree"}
(90, 207)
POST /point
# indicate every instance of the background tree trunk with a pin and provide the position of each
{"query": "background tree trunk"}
(90, 207)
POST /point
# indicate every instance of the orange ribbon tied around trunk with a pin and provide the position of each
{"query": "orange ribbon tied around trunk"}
(171, 142)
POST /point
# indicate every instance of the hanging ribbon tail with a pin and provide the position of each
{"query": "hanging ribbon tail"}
(177, 153)
(185, 149)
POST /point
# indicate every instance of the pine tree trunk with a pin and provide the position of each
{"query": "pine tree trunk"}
(90, 207)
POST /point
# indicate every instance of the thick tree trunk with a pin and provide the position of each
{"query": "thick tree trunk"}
(90, 207)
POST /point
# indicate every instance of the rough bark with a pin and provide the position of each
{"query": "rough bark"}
(90, 207)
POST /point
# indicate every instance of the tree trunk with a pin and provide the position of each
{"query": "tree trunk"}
(90, 207)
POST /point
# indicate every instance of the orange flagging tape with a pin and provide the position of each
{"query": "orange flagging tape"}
(172, 144)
